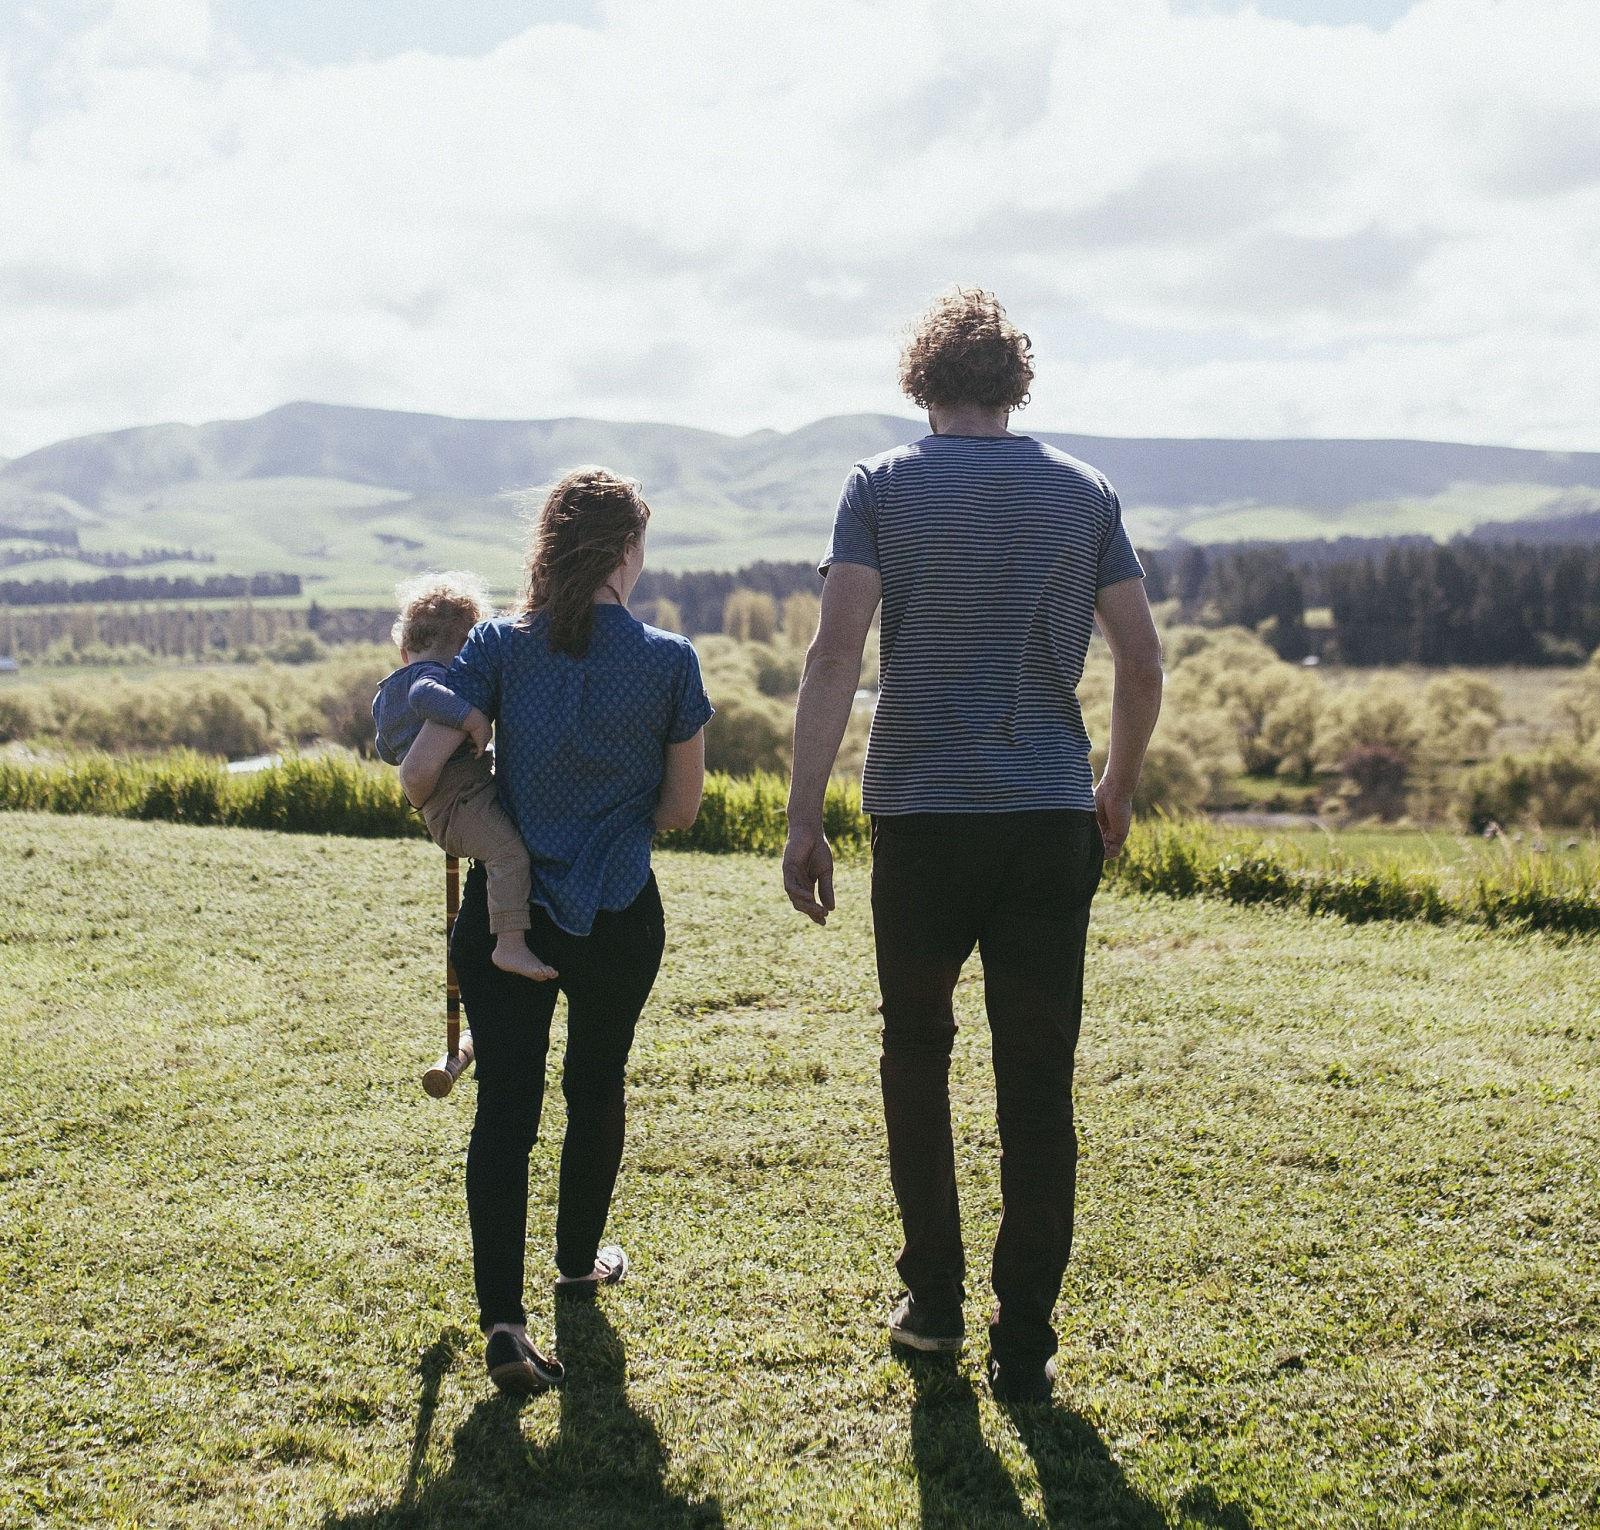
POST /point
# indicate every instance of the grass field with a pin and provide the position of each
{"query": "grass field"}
(1338, 1260)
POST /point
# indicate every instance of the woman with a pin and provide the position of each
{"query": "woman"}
(598, 721)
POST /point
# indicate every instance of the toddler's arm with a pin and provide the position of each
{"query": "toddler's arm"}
(434, 701)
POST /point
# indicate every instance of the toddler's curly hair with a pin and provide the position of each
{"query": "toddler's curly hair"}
(964, 350)
(437, 611)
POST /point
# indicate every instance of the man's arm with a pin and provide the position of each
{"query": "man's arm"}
(1130, 634)
(850, 599)
(419, 771)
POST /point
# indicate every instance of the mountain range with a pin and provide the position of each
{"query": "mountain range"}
(352, 499)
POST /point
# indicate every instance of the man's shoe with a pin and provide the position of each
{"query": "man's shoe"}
(936, 1333)
(610, 1269)
(517, 1368)
(1025, 1385)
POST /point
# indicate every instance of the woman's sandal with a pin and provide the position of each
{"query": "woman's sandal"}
(610, 1269)
(517, 1368)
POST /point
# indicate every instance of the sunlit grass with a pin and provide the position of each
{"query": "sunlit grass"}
(1337, 1264)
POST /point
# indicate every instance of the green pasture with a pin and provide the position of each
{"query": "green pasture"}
(350, 541)
(1338, 1261)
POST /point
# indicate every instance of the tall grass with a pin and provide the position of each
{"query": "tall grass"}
(1520, 889)
(327, 794)
(746, 813)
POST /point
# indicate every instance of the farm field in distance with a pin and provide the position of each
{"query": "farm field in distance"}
(1337, 1259)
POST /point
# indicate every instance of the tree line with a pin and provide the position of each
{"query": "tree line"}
(1411, 601)
(122, 587)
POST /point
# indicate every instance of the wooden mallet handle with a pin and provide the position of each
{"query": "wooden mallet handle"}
(440, 1079)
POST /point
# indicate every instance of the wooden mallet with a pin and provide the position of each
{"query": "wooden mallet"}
(440, 1079)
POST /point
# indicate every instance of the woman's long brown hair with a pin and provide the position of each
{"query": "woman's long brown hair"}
(581, 536)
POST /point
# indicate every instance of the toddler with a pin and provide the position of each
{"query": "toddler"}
(463, 815)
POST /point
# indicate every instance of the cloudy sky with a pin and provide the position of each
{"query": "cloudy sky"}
(1295, 217)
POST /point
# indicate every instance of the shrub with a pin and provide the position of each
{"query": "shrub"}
(1381, 714)
(1558, 787)
(221, 721)
(1578, 701)
(1377, 773)
(20, 715)
(1463, 710)
(778, 670)
(347, 712)
(750, 616)
(297, 648)
(801, 613)
(663, 613)
(749, 734)
(1171, 781)
(1276, 711)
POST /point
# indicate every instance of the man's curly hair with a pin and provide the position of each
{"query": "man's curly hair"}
(437, 611)
(964, 350)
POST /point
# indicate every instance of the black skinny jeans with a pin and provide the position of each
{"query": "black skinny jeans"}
(1018, 887)
(606, 976)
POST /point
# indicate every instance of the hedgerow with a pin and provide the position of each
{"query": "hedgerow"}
(1171, 857)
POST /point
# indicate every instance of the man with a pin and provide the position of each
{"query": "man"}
(992, 556)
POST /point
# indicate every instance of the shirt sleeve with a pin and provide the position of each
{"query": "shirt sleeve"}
(474, 674)
(1118, 560)
(855, 526)
(433, 701)
(693, 709)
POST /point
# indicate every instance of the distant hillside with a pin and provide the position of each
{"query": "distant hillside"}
(351, 499)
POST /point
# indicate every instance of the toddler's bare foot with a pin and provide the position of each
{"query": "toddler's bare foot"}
(511, 954)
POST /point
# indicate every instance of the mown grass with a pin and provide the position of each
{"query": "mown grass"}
(1338, 1262)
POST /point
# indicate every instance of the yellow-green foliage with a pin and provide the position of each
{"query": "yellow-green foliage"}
(234, 712)
(750, 616)
(1558, 787)
(1520, 891)
(801, 613)
(1578, 701)
(327, 794)
(1180, 858)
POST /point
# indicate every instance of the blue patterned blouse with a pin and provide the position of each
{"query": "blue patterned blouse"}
(580, 748)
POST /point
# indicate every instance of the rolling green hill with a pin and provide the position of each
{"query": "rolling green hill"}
(353, 499)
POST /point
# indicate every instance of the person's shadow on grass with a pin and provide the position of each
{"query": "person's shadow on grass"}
(605, 1466)
(965, 1486)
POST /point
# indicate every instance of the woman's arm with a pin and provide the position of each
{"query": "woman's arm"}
(419, 771)
(682, 784)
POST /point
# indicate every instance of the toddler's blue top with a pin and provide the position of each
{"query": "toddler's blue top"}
(580, 748)
(407, 699)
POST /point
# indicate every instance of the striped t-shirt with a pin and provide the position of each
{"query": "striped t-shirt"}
(991, 551)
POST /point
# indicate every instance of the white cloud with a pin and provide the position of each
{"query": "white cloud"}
(719, 213)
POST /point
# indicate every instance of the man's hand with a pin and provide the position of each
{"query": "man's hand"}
(476, 727)
(1115, 813)
(808, 873)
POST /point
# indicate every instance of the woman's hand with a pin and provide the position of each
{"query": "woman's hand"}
(476, 728)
